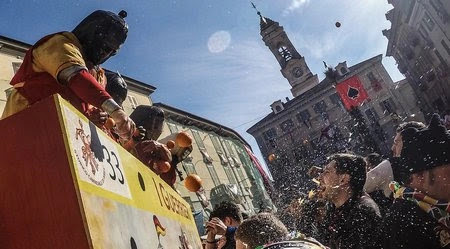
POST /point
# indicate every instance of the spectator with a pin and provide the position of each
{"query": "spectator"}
(259, 230)
(419, 217)
(224, 220)
(372, 160)
(379, 177)
(354, 220)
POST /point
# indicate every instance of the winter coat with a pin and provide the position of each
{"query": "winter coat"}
(355, 225)
(408, 226)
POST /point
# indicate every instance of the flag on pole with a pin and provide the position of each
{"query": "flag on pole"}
(266, 180)
(352, 92)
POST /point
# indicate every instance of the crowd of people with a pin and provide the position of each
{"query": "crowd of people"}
(371, 202)
(360, 202)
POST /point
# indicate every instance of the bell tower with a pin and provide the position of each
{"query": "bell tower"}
(293, 65)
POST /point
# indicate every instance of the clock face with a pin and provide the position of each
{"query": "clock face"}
(297, 72)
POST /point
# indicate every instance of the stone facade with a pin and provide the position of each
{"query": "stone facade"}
(419, 42)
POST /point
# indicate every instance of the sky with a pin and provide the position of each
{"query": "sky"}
(206, 57)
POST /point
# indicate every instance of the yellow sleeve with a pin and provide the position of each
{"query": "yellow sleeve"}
(59, 52)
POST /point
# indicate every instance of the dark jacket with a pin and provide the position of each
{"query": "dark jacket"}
(231, 242)
(408, 226)
(355, 225)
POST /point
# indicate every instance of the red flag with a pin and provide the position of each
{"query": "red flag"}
(265, 177)
(352, 92)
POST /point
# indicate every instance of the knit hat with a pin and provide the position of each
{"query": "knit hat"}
(425, 149)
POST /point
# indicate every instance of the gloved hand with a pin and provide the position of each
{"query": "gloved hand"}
(124, 125)
(97, 116)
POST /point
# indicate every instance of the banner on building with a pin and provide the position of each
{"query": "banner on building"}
(352, 92)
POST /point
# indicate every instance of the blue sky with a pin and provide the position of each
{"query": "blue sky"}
(231, 77)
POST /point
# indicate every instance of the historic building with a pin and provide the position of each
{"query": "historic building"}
(220, 158)
(219, 153)
(419, 42)
(298, 133)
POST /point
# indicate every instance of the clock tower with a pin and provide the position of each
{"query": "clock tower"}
(293, 65)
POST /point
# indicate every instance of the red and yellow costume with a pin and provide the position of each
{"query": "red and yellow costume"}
(37, 77)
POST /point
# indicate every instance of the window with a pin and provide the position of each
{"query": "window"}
(335, 99)
(16, 66)
(285, 53)
(427, 20)
(216, 143)
(423, 33)
(189, 167)
(441, 59)
(278, 108)
(374, 82)
(446, 47)
(304, 117)
(388, 106)
(344, 70)
(198, 139)
(133, 101)
(270, 134)
(287, 125)
(172, 127)
(372, 115)
(213, 174)
(320, 107)
(230, 175)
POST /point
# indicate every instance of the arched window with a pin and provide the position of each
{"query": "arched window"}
(278, 108)
(285, 53)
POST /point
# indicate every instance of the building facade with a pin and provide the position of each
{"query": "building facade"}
(220, 158)
(301, 132)
(419, 42)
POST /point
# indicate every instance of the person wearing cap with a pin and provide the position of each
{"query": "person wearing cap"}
(63, 63)
(419, 217)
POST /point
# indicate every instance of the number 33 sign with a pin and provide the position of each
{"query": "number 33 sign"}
(97, 159)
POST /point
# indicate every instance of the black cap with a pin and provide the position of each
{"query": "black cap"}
(425, 149)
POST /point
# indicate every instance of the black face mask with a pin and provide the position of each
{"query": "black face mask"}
(101, 34)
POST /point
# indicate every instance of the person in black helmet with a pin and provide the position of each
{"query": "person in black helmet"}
(62, 63)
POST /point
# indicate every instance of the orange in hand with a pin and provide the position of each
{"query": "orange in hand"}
(110, 123)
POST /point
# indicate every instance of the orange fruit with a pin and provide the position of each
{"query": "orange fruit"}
(170, 144)
(183, 139)
(193, 182)
(109, 124)
(162, 166)
(272, 157)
